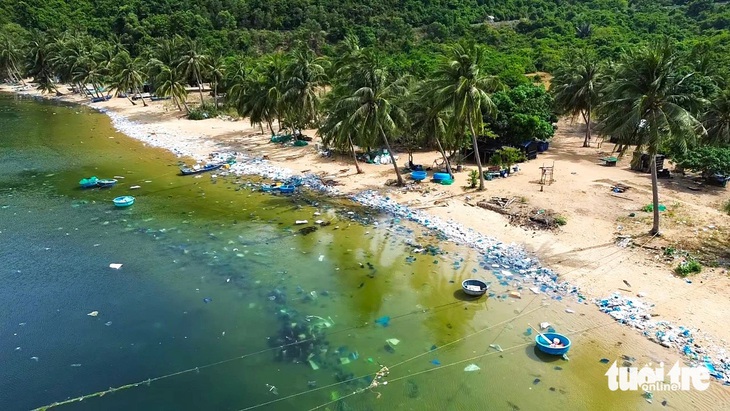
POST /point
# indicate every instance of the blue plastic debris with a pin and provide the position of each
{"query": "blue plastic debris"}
(604, 360)
(433, 347)
(435, 362)
(528, 332)
(207, 300)
(384, 320)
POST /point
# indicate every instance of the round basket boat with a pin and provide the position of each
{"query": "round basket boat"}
(419, 175)
(545, 347)
(474, 287)
(288, 189)
(89, 182)
(123, 201)
(441, 176)
(106, 182)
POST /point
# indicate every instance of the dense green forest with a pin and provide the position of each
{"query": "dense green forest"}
(446, 74)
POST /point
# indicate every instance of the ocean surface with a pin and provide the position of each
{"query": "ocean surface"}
(223, 303)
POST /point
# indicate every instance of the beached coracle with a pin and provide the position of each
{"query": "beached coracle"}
(474, 287)
(287, 189)
(197, 170)
(419, 175)
(106, 182)
(89, 182)
(123, 201)
(550, 347)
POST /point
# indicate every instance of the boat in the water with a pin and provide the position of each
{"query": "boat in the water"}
(89, 182)
(186, 171)
(556, 344)
(123, 201)
(106, 182)
(474, 287)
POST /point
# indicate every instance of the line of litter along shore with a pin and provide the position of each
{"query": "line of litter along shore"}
(498, 257)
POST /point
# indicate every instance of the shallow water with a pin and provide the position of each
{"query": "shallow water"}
(214, 272)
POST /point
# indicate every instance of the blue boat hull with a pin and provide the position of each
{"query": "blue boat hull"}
(124, 201)
(545, 347)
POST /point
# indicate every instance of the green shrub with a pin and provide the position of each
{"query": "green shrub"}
(473, 178)
(203, 112)
(687, 267)
(560, 220)
(726, 207)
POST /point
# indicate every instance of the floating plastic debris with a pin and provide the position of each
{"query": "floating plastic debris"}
(544, 325)
(496, 347)
(384, 321)
(435, 362)
(471, 368)
(207, 300)
(93, 314)
(393, 341)
(115, 266)
(604, 360)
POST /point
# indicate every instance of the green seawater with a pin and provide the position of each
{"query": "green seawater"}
(216, 278)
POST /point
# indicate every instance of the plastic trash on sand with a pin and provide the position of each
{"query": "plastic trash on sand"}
(115, 266)
(471, 368)
(496, 347)
(544, 325)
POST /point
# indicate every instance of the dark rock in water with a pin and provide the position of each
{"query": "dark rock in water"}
(664, 403)
(307, 230)
(388, 348)
(552, 389)
(536, 381)
(361, 285)
(412, 389)
(513, 406)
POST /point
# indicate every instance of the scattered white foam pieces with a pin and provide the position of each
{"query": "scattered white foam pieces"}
(115, 266)
(321, 257)
(301, 222)
(544, 325)
(506, 273)
(93, 314)
(535, 290)
(134, 187)
(569, 311)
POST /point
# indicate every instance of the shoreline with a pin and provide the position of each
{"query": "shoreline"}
(515, 257)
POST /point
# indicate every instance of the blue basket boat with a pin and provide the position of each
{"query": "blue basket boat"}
(123, 201)
(419, 175)
(89, 182)
(438, 177)
(545, 347)
(106, 182)
(474, 287)
(288, 189)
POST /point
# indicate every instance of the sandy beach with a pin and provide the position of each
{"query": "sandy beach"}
(590, 251)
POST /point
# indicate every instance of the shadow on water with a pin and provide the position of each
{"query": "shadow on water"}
(534, 353)
(460, 295)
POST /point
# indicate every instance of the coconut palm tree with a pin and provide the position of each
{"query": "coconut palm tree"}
(128, 75)
(216, 68)
(716, 119)
(460, 85)
(40, 65)
(576, 89)
(305, 80)
(430, 123)
(372, 114)
(10, 57)
(170, 84)
(642, 103)
(192, 63)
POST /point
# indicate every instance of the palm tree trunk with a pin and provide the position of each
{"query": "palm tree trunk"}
(390, 152)
(476, 155)
(136, 91)
(446, 159)
(130, 100)
(215, 95)
(654, 195)
(354, 155)
(200, 87)
(587, 118)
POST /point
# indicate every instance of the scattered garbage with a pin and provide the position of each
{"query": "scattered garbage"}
(515, 294)
(207, 300)
(384, 321)
(496, 347)
(604, 360)
(544, 325)
(472, 368)
(115, 266)
(536, 381)
(299, 222)
(569, 311)
(435, 362)
(93, 314)
(393, 341)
